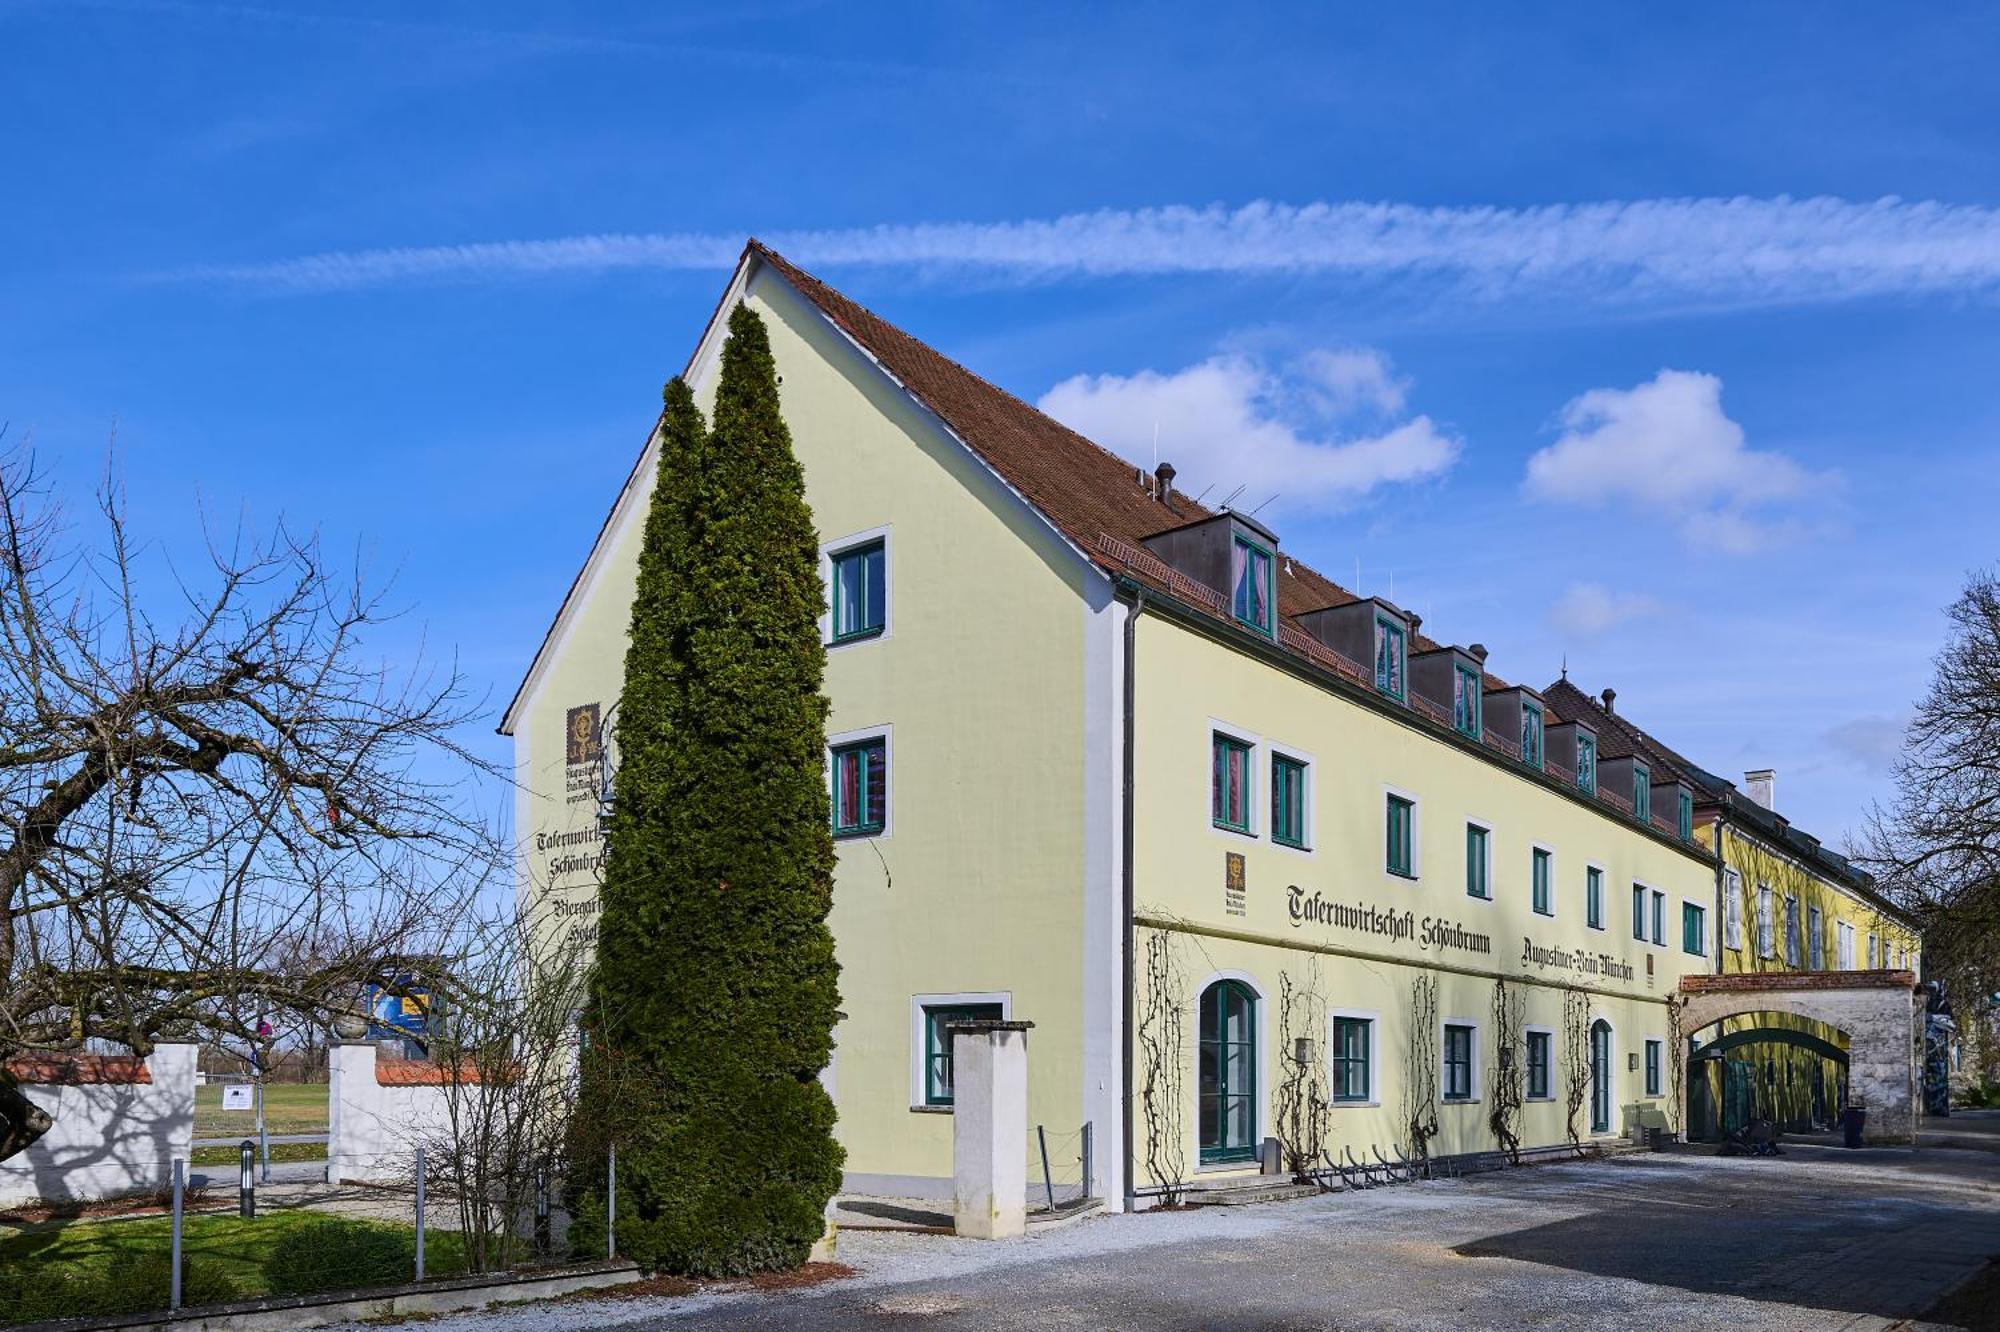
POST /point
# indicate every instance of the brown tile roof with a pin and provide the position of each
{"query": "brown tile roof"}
(1619, 738)
(423, 1073)
(80, 1070)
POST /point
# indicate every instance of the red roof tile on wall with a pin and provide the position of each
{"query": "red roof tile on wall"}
(81, 1070)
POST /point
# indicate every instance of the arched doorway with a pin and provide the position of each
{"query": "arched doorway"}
(1600, 1076)
(1732, 1079)
(1227, 1073)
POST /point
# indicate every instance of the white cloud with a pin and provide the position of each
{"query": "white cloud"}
(1749, 251)
(1872, 744)
(1231, 422)
(1666, 446)
(1589, 609)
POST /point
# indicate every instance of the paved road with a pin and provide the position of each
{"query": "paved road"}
(1820, 1238)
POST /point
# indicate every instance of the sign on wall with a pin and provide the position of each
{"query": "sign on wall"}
(237, 1096)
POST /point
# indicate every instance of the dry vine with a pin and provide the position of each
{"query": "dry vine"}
(1577, 1069)
(1420, 1086)
(1510, 1017)
(1163, 1057)
(1304, 1109)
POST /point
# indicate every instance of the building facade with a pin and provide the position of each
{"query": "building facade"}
(1236, 840)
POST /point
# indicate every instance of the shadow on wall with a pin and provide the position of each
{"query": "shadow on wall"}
(120, 1124)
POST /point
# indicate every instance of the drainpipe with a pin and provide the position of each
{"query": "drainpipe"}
(1130, 943)
(1721, 879)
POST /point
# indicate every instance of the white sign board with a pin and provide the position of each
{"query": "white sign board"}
(236, 1098)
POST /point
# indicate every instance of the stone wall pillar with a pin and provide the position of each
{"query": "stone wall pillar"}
(989, 1128)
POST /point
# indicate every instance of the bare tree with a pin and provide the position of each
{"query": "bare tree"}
(1579, 1074)
(1420, 1073)
(1163, 1058)
(1304, 1105)
(1510, 1020)
(216, 808)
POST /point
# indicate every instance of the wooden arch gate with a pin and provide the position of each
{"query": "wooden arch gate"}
(1881, 1012)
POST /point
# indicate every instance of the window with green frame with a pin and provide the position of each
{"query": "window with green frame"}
(1686, 817)
(1586, 763)
(1389, 657)
(1539, 1046)
(1230, 783)
(937, 1044)
(860, 788)
(1639, 913)
(1350, 1071)
(1478, 862)
(1653, 1062)
(1250, 577)
(1457, 1062)
(1659, 918)
(1227, 1073)
(1531, 733)
(1541, 865)
(1468, 702)
(1593, 897)
(1402, 819)
(1288, 801)
(1642, 792)
(860, 591)
(1694, 929)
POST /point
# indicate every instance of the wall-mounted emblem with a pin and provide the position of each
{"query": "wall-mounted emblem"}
(583, 742)
(1234, 900)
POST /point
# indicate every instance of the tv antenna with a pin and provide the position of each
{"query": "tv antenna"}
(1253, 512)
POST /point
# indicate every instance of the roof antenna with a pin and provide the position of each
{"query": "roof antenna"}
(1357, 575)
(1204, 490)
(1156, 446)
(1253, 512)
(1565, 666)
(1231, 495)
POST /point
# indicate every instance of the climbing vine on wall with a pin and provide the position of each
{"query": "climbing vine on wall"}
(1510, 1017)
(1420, 1072)
(1304, 1110)
(1577, 1072)
(1163, 1059)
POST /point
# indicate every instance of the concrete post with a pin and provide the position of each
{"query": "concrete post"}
(989, 1128)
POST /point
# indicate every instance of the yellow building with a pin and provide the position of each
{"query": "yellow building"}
(1784, 902)
(1258, 858)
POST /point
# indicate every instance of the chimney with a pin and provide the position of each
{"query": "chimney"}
(1163, 483)
(1762, 787)
(1477, 652)
(1610, 697)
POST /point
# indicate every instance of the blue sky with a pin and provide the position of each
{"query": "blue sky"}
(1465, 287)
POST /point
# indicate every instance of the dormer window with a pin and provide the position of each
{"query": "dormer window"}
(1250, 575)
(1586, 763)
(1531, 733)
(1642, 793)
(1466, 691)
(1389, 657)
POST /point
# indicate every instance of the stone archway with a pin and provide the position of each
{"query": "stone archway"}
(1881, 1012)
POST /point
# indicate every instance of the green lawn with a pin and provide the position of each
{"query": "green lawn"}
(289, 1107)
(280, 1151)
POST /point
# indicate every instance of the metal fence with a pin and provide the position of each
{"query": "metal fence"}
(1063, 1159)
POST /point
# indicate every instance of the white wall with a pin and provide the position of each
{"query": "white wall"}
(373, 1131)
(108, 1139)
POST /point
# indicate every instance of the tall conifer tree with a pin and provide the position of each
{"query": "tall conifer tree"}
(716, 972)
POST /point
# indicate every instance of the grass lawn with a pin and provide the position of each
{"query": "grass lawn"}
(289, 1107)
(280, 1151)
(227, 1244)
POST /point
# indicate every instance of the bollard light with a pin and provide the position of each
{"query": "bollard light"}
(246, 1181)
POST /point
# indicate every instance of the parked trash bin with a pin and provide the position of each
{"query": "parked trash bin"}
(1851, 1121)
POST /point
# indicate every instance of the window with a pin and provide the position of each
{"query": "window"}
(1686, 817)
(1654, 1049)
(1251, 575)
(1539, 1082)
(1642, 793)
(860, 787)
(1228, 1072)
(1586, 763)
(859, 592)
(1402, 820)
(1541, 864)
(1791, 931)
(1389, 657)
(1229, 783)
(938, 1019)
(1660, 918)
(1732, 909)
(1593, 897)
(1843, 935)
(1764, 922)
(1531, 733)
(1457, 1062)
(1871, 952)
(1694, 929)
(1288, 801)
(1467, 702)
(1815, 939)
(1639, 913)
(1478, 862)
(1350, 1072)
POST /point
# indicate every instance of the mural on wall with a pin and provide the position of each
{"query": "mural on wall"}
(568, 843)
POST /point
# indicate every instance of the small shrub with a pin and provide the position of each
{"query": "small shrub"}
(338, 1254)
(50, 1292)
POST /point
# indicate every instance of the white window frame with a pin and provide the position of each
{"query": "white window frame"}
(1492, 888)
(1550, 852)
(1872, 959)
(833, 549)
(1795, 928)
(1555, 1054)
(1767, 922)
(1374, 1021)
(1843, 945)
(1275, 752)
(1603, 908)
(1416, 835)
(886, 733)
(1815, 940)
(1257, 760)
(918, 1003)
(1476, 1055)
(1732, 910)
